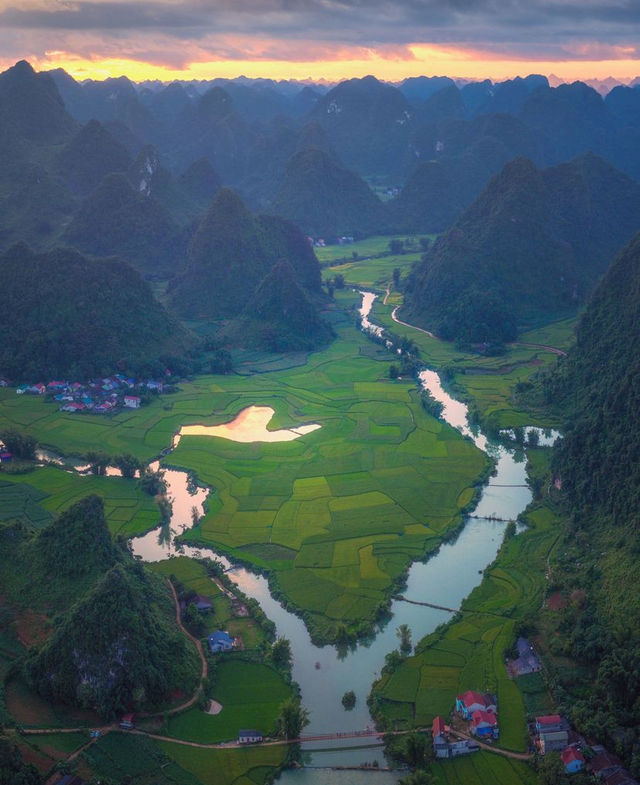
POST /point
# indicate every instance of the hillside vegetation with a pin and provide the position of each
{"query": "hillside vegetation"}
(528, 250)
(62, 314)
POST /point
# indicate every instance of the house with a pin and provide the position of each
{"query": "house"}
(37, 389)
(132, 401)
(573, 760)
(527, 660)
(69, 779)
(220, 641)
(22, 389)
(550, 723)
(471, 701)
(56, 386)
(72, 407)
(201, 603)
(484, 724)
(604, 763)
(440, 742)
(553, 741)
(249, 736)
(3, 382)
(153, 385)
(128, 722)
(5, 456)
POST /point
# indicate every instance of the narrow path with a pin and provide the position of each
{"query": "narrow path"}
(412, 326)
(387, 293)
(491, 748)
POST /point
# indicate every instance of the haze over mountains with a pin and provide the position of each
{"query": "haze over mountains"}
(135, 171)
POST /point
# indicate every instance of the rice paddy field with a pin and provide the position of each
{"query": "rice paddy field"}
(469, 653)
(335, 516)
(250, 693)
(37, 497)
(481, 768)
(370, 246)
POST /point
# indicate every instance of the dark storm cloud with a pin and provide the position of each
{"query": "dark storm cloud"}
(532, 27)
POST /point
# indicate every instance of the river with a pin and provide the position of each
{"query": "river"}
(324, 673)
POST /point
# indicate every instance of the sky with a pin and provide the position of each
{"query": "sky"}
(324, 39)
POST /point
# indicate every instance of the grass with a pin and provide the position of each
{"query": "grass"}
(372, 273)
(227, 767)
(381, 478)
(39, 496)
(481, 768)
(371, 246)
(469, 652)
(250, 694)
(194, 576)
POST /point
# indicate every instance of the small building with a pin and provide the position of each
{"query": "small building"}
(220, 641)
(553, 741)
(5, 456)
(440, 741)
(201, 603)
(22, 389)
(128, 722)
(573, 760)
(484, 724)
(471, 701)
(549, 723)
(527, 660)
(70, 779)
(132, 401)
(604, 763)
(249, 736)
(37, 389)
(72, 406)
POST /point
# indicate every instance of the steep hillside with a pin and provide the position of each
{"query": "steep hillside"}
(116, 649)
(598, 466)
(116, 219)
(92, 154)
(528, 249)
(230, 254)
(326, 200)
(62, 314)
(280, 316)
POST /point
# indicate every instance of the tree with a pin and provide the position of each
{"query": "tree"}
(221, 362)
(396, 276)
(292, 719)
(128, 465)
(396, 246)
(98, 462)
(281, 653)
(404, 634)
(551, 770)
(349, 700)
(533, 438)
(425, 243)
(152, 482)
(420, 777)
(338, 281)
(19, 444)
(394, 372)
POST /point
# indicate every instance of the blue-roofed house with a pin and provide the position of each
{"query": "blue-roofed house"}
(249, 736)
(220, 641)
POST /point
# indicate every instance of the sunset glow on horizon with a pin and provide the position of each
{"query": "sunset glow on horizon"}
(323, 39)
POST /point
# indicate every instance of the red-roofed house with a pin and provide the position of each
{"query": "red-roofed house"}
(128, 721)
(573, 760)
(549, 723)
(471, 701)
(132, 401)
(484, 723)
(440, 742)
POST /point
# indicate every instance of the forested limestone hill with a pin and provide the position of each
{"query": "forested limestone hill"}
(529, 249)
(231, 253)
(65, 315)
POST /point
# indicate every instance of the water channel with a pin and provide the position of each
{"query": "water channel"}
(324, 673)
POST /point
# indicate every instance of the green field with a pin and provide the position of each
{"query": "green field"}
(481, 768)
(39, 496)
(194, 576)
(250, 694)
(469, 653)
(487, 383)
(372, 273)
(371, 246)
(336, 516)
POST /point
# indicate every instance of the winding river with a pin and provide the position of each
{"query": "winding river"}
(324, 673)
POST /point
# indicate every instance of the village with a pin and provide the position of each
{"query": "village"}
(473, 725)
(97, 396)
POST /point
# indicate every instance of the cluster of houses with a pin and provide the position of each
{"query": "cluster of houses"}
(480, 710)
(99, 396)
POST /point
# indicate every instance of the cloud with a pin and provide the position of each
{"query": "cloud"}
(177, 32)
